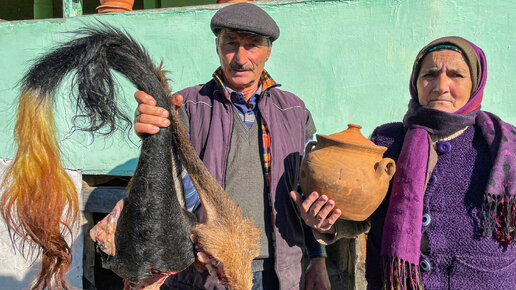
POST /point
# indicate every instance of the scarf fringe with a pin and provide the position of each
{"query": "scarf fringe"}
(401, 275)
(499, 216)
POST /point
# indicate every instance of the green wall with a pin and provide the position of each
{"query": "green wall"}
(181, 3)
(349, 61)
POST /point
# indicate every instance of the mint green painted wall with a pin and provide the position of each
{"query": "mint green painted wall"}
(349, 61)
(182, 3)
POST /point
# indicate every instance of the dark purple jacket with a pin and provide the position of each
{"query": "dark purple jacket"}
(452, 251)
(211, 119)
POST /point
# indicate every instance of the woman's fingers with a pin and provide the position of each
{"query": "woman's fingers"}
(330, 221)
(296, 197)
(309, 202)
(318, 213)
(326, 210)
(317, 206)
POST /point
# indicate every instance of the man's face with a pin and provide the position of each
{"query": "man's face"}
(242, 58)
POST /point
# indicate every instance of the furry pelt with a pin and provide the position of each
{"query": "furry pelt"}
(153, 233)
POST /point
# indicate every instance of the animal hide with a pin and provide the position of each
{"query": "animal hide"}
(153, 233)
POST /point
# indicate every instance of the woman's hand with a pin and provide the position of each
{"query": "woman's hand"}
(317, 211)
(148, 117)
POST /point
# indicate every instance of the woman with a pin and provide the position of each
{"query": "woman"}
(448, 220)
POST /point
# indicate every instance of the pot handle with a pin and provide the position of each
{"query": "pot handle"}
(309, 146)
(386, 166)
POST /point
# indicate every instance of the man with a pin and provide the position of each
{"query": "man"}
(250, 135)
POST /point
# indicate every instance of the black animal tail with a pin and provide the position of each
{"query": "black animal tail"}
(91, 57)
(39, 202)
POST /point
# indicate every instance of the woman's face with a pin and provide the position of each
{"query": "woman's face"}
(444, 81)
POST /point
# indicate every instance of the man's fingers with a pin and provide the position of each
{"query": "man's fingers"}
(202, 257)
(153, 120)
(211, 269)
(142, 128)
(176, 100)
(145, 109)
(309, 285)
(199, 266)
(143, 98)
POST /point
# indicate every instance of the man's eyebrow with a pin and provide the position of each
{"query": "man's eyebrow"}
(229, 36)
(257, 39)
(430, 69)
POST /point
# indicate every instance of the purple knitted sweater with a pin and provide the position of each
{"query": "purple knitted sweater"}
(453, 256)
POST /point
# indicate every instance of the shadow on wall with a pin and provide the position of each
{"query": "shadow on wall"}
(124, 169)
(10, 282)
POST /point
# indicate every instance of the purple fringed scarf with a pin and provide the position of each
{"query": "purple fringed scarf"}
(402, 229)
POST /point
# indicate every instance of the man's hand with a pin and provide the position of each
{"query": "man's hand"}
(205, 261)
(316, 275)
(103, 233)
(317, 211)
(148, 117)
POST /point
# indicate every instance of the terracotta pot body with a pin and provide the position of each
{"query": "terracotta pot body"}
(349, 169)
(108, 6)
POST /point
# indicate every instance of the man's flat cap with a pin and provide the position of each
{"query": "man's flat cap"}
(245, 17)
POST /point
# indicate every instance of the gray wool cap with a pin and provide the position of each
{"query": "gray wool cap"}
(245, 17)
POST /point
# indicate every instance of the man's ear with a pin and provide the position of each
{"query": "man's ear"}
(269, 52)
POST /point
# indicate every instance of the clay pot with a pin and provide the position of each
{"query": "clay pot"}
(348, 168)
(108, 6)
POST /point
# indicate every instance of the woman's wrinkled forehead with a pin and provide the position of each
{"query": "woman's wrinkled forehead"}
(454, 57)
(435, 59)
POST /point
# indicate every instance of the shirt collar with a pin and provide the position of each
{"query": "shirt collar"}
(238, 95)
(266, 82)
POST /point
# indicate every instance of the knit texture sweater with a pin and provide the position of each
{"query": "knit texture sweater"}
(453, 255)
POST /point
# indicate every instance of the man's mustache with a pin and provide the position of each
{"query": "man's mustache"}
(236, 66)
